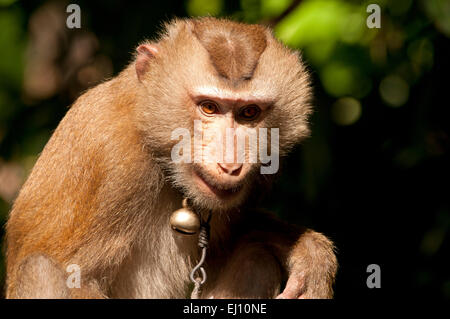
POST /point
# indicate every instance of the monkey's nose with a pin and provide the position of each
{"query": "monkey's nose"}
(231, 168)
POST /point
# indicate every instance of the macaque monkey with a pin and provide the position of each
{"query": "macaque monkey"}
(102, 192)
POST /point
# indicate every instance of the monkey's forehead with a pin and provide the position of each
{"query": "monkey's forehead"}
(234, 49)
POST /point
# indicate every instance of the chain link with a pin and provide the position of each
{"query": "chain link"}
(198, 274)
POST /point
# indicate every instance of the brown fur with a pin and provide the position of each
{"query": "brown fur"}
(103, 189)
(234, 48)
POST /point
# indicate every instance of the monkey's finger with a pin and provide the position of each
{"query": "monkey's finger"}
(295, 287)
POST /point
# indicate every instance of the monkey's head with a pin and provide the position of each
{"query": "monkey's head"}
(203, 81)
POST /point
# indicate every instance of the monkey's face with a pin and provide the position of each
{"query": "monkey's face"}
(217, 161)
(221, 102)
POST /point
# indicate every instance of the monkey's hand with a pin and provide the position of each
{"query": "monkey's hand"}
(312, 267)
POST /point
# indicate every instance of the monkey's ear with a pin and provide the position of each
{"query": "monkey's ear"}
(145, 52)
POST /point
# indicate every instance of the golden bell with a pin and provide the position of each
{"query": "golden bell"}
(185, 221)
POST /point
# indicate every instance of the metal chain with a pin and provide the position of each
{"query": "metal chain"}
(200, 279)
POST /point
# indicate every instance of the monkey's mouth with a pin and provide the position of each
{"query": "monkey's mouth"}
(219, 190)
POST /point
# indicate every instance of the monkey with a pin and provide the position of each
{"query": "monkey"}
(102, 191)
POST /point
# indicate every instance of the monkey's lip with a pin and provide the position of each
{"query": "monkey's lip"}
(222, 191)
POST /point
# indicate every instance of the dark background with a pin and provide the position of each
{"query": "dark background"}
(373, 176)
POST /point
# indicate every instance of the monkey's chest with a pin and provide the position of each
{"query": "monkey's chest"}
(157, 269)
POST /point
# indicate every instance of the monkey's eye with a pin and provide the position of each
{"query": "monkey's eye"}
(250, 112)
(209, 107)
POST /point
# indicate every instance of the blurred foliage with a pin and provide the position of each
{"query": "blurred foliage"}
(374, 174)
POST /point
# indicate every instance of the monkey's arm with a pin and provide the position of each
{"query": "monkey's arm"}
(268, 252)
(306, 257)
(39, 277)
(311, 265)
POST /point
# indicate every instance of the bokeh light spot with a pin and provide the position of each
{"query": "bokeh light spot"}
(346, 111)
(312, 21)
(394, 90)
